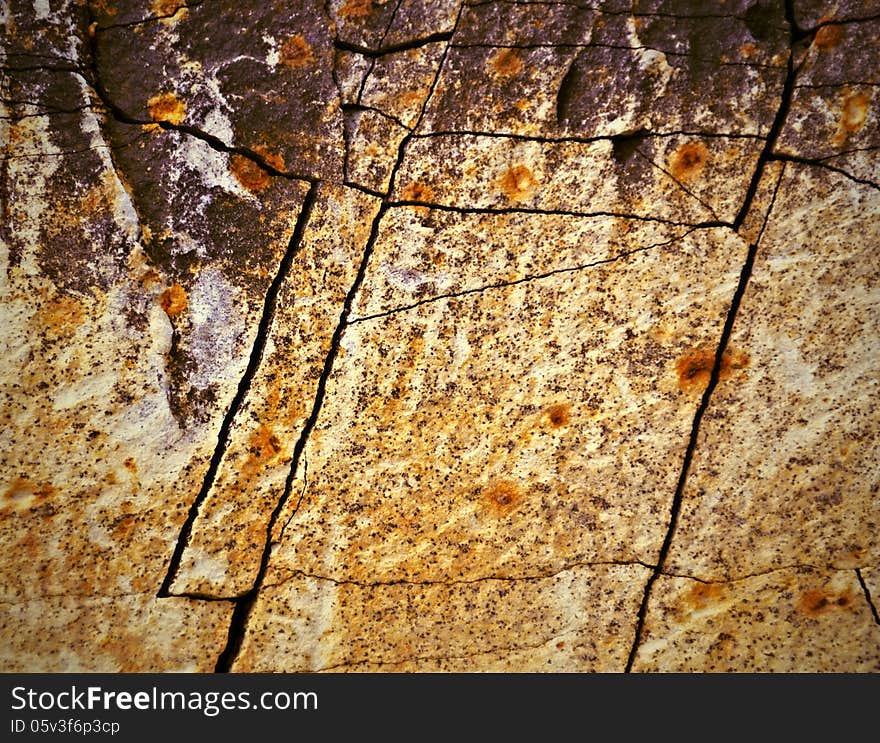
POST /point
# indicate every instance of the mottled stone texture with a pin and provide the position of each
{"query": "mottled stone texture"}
(439, 336)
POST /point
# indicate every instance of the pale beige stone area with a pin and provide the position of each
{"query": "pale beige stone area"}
(513, 430)
(871, 577)
(793, 620)
(134, 633)
(373, 147)
(226, 544)
(677, 178)
(785, 471)
(581, 619)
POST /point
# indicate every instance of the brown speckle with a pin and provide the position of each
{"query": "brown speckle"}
(502, 496)
(815, 603)
(296, 52)
(517, 183)
(264, 443)
(173, 300)
(506, 63)
(703, 595)
(167, 107)
(688, 161)
(694, 368)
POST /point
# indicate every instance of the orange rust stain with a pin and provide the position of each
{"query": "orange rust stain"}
(705, 594)
(558, 415)
(560, 645)
(853, 114)
(22, 494)
(249, 174)
(688, 161)
(506, 63)
(264, 444)
(517, 183)
(167, 107)
(296, 52)
(166, 7)
(816, 603)
(417, 191)
(60, 316)
(748, 50)
(130, 464)
(124, 526)
(356, 9)
(694, 368)
(827, 37)
(173, 300)
(503, 496)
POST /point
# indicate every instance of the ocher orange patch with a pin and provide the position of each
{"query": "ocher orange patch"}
(506, 63)
(166, 7)
(60, 316)
(694, 368)
(853, 114)
(22, 494)
(815, 603)
(264, 444)
(417, 191)
(356, 9)
(558, 415)
(703, 595)
(248, 173)
(688, 161)
(517, 183)
(167, 107)
(173, 300)
(296, 52)
(502, 496)
(827, 37)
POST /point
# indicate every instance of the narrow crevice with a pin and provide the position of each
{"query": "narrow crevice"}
(360, 108)
(150, 19)
(245, 603)
(364, 189)
(382, 51)
(702, 202)
(820, 163)
(868, 596)
(736, 301)
(243, 387)
(372, 66)
(524, 280)
(94, 80)
(43, 68)
(462, 582)
(552, 212)
(758, 574)
(563, 139)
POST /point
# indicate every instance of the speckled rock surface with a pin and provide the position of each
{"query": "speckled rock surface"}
(439, 336)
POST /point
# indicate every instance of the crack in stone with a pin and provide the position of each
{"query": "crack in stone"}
(256, 356)
(359, 107)
(745, 275)
(152, 18)
(642, 133)
(372, 66)
(525, 279)
(819, 163)
(382, 51)
(759, 573)
(461, 582)
(416, 659)
(868, 596)
(245, 603)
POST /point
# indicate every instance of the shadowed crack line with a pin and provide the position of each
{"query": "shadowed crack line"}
(244, 384)
(557, 212)
(150, 19)
(372, 66)
(461, 582)
(244, 604)
(758, 574)
(820, 163)
(525, 279)
(355, 108)
(727, 331)
(868, 596)
(562, 139)
(406, 46)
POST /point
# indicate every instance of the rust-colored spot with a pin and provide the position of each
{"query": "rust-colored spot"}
(704, 594)
(173, 300)
(264, 443)
(417, 191)
(815, 603)
(506, 62)
(354, 9)
(688, 161)
(60, 316)
(130, 464)
(694, 368)
(22, 494)
(296, 52)
(560, 645)
(105, 6)
(748, 50)
(558, 415)
(828, 36)
(517, 183)
(853, 113)
(502, 496)
(167, 107)
(248, 173)
(166, 7)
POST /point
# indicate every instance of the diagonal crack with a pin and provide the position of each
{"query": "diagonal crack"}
(868, 596)
(745, 275)
(820, 163)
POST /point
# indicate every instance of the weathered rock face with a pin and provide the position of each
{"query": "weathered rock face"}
(439, 335)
